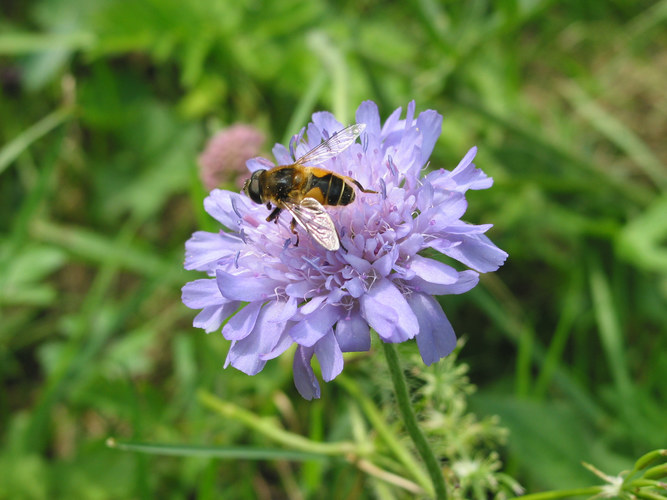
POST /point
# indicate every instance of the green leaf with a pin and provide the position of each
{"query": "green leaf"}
(22, 276)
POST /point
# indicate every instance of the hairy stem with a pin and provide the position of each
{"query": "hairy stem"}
(410, 421)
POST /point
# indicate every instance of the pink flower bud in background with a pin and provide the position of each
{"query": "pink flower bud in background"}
(224, 157)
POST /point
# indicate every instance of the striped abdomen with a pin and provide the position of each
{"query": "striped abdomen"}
(328, 188)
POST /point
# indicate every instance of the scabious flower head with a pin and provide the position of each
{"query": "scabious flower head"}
(226, 153)
(326, 303)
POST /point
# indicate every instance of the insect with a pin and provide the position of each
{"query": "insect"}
(302, 189)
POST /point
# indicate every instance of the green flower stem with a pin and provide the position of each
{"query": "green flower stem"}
(551, 495)
(410, 421)
(269, 429)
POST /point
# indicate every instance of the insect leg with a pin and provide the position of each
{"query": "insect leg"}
(362, 188)
(292, 226)
(273, 216)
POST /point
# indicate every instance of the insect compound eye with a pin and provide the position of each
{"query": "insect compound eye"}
(252, 188)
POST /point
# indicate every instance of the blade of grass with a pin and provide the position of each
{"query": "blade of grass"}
(508, 320)
(26, 43)
(334, 61)
(226, 452)
(94, 247)
(614, 130)
(643, 23)
(305, 106)
(564, 154)
(558, 341)
(28, 209)
(609, 328)
(24, 140)
(313, 472)
(524, 361)
(86, 338)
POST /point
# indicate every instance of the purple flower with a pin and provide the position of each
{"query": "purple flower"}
(326, 303)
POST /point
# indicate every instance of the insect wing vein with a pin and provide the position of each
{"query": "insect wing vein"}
(335, 145)
(313, 217)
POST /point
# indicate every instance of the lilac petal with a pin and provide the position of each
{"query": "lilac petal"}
(436, 338)
(329, 356)
(359, 264)
(387, 312)
(384, 264)
(218, 204)
(336, 295)
(429, 124)
(367, 113)
(298, 146)
(433, 271)
(478, 252)
(201, 293)
(467, 176)
(355, 287)
(410, 114)
(314, 326)
(259, 163)
(282, 155)
(408, 157)
(464, 228)
(314, 136)
(244, 357)
(298, 290)
(391, 123)
(204, 249)
(245, 287)
(242, 323)
(467, 281)
(353, 334)
(412, 244)
(425, 196)
(229, 353)
(448, 209)
(304, 378)
(312, 305)
(278, 312)
(326, 122)
(246, 354)
(286, 310)
(465, 161)
(211, 317)
(284, 343)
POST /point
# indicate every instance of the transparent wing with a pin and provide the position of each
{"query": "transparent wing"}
(312, 216)
(335, 145)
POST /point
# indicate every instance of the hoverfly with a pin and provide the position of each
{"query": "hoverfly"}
(302, 189)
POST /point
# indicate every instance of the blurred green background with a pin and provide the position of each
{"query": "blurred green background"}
(105, 106)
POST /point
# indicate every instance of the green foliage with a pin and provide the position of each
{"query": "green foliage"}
(106, 106)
